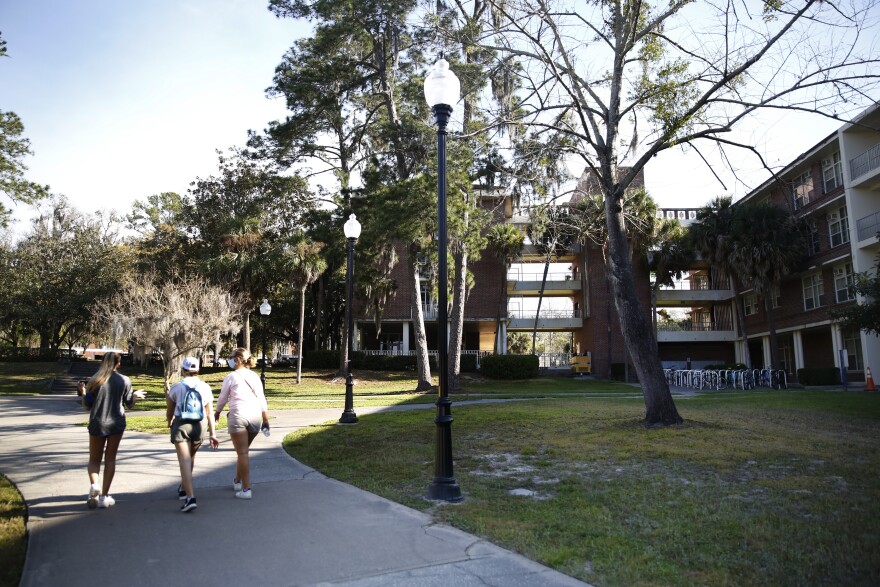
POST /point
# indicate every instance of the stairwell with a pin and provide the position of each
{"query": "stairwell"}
(79, 371)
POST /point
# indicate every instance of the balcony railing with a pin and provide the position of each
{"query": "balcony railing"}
(545, 314)
(868, 226)
(518, 275)
(864, 163)
(697, 284)
(691, 327)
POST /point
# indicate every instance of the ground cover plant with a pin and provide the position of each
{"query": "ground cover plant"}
(755, 488)
(28, 377)
(13, 536)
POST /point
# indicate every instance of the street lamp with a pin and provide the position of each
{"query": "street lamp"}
(352, 229)
(265, 310)
(442, 91)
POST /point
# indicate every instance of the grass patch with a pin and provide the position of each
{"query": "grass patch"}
(157, 424)
(758, 488)
(28, 377)
(13, 533)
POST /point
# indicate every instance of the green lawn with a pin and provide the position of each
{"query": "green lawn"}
(13, 536)
(755, 488)
(29, 377)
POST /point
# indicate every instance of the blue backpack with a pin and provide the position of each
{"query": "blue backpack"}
(192, 408)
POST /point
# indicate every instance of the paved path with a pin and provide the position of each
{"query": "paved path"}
(301, 528)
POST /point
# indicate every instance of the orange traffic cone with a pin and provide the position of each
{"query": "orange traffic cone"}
(869, 384)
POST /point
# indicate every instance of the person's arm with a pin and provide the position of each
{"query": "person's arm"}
(170, 406)
(224, 397)
(212, 424)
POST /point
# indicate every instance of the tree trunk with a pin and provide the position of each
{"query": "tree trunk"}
(423, 366)
(741, 318)
(771, 325)
(302, 321)
(659, 407)
(246, 332)
(540, 300)
(457, 322)
(319, 313)
(500, 307)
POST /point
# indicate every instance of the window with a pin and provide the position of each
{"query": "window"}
(838, 227)
(750, 304)
(802, 190)
(813, 239)
(775, 295)
(429, 304)
(831, 172)
(843, 278)
(853, 343)
(814, 291)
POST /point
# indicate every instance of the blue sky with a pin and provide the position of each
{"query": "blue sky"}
(122, 99)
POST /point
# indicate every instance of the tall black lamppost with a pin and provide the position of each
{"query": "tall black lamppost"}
(352, 231)
(265, 310)
(442, 90)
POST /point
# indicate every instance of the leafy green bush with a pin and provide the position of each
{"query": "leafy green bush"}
(320, 359)
(819, 376)
(468, 363)
(509, 366)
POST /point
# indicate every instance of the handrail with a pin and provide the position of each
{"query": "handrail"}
(865, 162)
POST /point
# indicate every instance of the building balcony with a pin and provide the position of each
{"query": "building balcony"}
(864, 167)
(522, 283)
(548, 320)
(695, 333)
(868, 226)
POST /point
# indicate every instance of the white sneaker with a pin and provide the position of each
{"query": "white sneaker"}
(105, 501)
(244, 494)
(236, 485)
(94, 492)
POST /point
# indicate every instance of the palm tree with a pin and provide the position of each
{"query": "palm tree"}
(712, 235)
(303, 264)
(768, 245)
(242, 264)
(506, 243)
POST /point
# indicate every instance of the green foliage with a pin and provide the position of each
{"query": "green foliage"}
(865, 314)
(13, 532)
(320, 359)
(819, 376)
(510, 366)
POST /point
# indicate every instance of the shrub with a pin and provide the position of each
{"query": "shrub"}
(468, 363)
(509, 366)
(819, 376)
(618, 371)
(320, 359)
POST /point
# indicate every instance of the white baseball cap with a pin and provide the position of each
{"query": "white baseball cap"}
(190, 364)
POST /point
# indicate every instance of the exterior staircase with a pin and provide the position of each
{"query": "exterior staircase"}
(79, 371)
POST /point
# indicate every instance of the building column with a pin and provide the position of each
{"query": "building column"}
(355, 345)
(765, 346)
(405, 346)
(798, 342)
(836, 343)
(501, 336)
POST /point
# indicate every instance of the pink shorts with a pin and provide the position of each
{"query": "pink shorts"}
(240, 422)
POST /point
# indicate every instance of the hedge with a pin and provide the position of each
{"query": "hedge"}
(819, 376)
(509, 366)
(320, 359)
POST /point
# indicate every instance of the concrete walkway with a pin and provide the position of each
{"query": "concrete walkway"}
(301, 528)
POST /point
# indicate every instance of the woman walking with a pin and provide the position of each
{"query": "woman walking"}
(189, 414)
(107, 394)
(247, 409)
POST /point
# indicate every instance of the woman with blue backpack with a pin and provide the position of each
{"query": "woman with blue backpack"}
(189, 414)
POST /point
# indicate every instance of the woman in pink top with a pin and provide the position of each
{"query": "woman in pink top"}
(243, 391)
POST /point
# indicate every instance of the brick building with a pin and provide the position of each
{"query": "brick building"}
(835, 186)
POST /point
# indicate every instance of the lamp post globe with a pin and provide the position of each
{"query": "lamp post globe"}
(265, 310)
(442, 91)
(352, 230)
